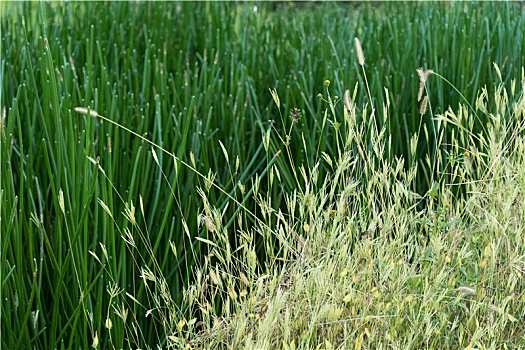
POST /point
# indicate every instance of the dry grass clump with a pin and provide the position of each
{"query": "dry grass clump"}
(360, 265)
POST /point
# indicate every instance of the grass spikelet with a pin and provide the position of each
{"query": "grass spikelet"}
(466, 290)
(209, 223)
(61, 201)
(2, 122)
(95, 341)
(347, 100)
(420, 91)
(224, 151)
(275, 97)
(359, 50)
(498, 72)
(361, 61)
(424, 106)
(495, 309)
(83, 110)
(108, 323)
(105, 207)
(423, 76)
(129, 213)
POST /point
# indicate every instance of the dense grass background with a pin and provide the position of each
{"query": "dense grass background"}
(192, 77)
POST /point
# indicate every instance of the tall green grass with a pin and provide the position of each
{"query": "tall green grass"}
(96, 228)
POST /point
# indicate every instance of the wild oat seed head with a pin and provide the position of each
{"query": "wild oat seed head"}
(129, 212)
(104, 250)
(360, 54)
